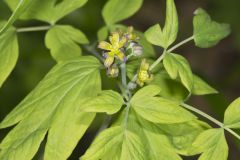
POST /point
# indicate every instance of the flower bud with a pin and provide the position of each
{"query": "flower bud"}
(113, 71)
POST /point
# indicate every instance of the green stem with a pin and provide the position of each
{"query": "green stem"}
(158, 60)
(33, 29)
(124, 75)
(92, 50)
(220, 124)
(126, 115)
(180, 44)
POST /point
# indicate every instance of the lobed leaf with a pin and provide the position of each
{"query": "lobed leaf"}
(200, 87)
(53, 106)
(118, 10)
(63, 42)
(158, 109)
(166, 36)
(232, 114)
(107, 101)
(48, 10)
(8, 53)
(213, 144)
(178, 66)
(208, 33)
(131, 139)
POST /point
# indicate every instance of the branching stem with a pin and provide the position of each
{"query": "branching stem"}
(220, 124)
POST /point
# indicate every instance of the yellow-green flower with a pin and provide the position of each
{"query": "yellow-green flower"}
(143, 74)
(113, 48)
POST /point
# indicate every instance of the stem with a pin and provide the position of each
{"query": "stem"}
(124, 75)
(104, 125)
(220, 124)
(33, 29)
(93, 51)
(158, 60)
(126, 115)
(180, 44)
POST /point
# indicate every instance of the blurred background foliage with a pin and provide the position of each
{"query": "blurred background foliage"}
(220, 66)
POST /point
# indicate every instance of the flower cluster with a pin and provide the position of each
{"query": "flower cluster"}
(144, 74)
(122, 46)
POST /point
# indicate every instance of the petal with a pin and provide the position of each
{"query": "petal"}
(105, 45)
(120, 55)
(114, 39)
(108, 61)
(122, 42)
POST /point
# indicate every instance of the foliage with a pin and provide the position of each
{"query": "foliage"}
(151, 117)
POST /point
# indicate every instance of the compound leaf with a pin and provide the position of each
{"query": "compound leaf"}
(63, 42)
(118, 10)
(208, 33)
(53, 106)
(132, 139)
(178, 66)
(213, 144)
(8, 53)
(232, 114)
(166, 36)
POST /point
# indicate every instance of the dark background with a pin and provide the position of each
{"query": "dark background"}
(220, 65)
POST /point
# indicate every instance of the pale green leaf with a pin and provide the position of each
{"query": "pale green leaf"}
(107, 101)
(48, 10)
(158, 109)
(170, 88)
(8, 53)
(232, 114)
(182, 135)
(21, 6)
(118, 10)
(63, 42)
(166, 36)
(208, 33)
(102, 33)
(213, 145)
(202, 88)
(53, 106)
(177, 66)
(131, 139)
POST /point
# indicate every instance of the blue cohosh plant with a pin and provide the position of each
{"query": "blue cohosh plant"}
(151, 120)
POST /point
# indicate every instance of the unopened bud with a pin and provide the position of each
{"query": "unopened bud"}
(113, 71)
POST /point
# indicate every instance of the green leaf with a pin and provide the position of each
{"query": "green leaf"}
(52, 106)
(182, 136)
(213, 144)
(63, 42)
(177, 66)
(202, 88)
(8, 53)
(118, 10)
(20, 8)
(170, 88)
(166, 36)
(132, 139)
(107, 101)
(158, 109)
(48, 10)
(232, 114)
(208, 33)
(102, 33)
